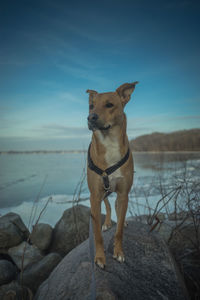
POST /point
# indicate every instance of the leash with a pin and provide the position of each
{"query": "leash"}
(91, 246)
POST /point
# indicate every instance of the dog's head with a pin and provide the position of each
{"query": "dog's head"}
(107, 109)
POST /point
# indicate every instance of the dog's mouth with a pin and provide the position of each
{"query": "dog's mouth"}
(93, 126)
(105, 128)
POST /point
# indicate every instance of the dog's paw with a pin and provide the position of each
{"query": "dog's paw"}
(100, 261)
(106, 227)
(125, 224)
(119, 256)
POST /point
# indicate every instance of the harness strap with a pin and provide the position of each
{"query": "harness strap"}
(109, 170)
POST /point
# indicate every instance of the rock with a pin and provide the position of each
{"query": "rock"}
(147, 219)
(30, 255)
(185, 237)
(34, 275)
(71, 229)
(13, 291)
(184, 245)
(149, 271)
(7, 271)
(178, 234)
(41, 236)
(178, 216)
(12, 231)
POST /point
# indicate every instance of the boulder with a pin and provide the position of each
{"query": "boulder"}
(149, 271)
(185, 237)
(34, 275)
(71, 229)
(12, 231)
(184, 244)
(7, 271)
(41, 236)
(13, 291)
(26, 253)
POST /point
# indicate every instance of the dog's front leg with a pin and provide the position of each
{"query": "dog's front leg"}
(121, 208)
(100, 258)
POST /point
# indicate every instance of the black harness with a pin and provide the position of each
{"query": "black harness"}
(105, 173)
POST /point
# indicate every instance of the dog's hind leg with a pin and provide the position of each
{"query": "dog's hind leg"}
(117, 213)
(107, 223)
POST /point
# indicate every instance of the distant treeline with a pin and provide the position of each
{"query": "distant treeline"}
(42, 152)
(185, 140)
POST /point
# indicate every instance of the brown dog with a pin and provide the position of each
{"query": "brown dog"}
(110, 163)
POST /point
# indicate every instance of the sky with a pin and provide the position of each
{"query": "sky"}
(51, 52)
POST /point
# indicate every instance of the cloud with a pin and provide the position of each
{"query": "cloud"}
(60, 131)
(70, 97)
(161, 123)
(192, 117)
(83, 73)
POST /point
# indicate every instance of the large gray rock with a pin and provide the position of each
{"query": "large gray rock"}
(149, 271)
(71, 229)
(41, 236)
(34, 275)
(25, 252)
(7, 271)
(12, 231)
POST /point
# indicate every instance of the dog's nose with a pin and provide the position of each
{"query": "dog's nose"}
(93, 117)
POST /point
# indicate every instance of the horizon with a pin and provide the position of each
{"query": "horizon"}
(52, 52)
(85, 149)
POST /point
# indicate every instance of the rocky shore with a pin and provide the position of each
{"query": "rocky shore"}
(37, 263)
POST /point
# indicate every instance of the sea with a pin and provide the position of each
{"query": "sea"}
(42, 186)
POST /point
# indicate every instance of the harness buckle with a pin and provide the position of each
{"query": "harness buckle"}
(106, 182)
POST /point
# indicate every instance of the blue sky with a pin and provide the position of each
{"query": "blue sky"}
(53, 51)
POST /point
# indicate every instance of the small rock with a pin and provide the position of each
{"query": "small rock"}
(13, 291)
(7, 271)
(28, 253)
(41, 236)
(12, 231)
(34, 275)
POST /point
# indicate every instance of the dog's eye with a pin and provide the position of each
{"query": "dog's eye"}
(109, 105)
(91, 106)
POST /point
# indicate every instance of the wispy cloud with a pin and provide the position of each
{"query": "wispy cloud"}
(83, 73)
(161, 123)
(67, 96)
(60, 131)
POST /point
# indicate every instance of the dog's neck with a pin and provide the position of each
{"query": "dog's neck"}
(108, 147)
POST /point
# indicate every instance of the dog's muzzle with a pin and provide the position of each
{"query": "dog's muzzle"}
(94, 123)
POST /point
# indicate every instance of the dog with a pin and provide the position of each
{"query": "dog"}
(110, 164)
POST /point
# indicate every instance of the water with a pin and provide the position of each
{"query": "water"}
(29, 178)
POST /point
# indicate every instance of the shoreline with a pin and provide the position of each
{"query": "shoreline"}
(13, 152)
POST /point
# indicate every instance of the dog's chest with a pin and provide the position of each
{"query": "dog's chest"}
(112, 156)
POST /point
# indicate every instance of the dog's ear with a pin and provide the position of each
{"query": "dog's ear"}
(91, 93)
(125, 90)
